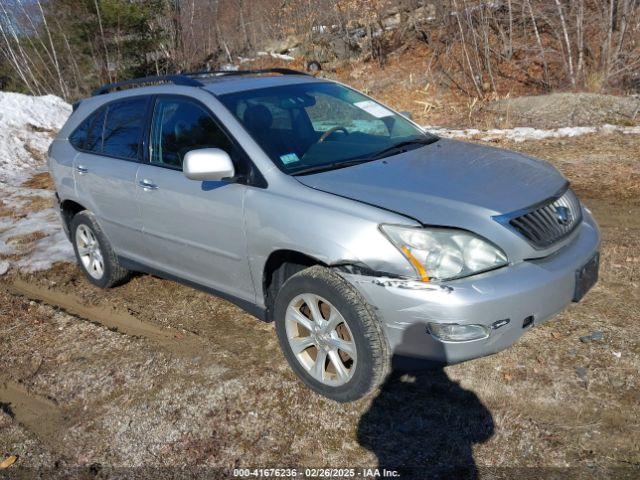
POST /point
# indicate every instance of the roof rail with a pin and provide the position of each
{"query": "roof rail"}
(224, 73)
(188, 79)
(148, 81)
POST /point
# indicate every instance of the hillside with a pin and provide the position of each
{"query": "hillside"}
(473, 49)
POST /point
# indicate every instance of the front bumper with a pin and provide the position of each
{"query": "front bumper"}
(536, 288)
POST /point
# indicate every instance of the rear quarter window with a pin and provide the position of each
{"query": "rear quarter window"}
(79, 135)
(88, 135)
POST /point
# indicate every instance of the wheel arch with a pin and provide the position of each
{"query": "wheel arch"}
(69, 209)
(280, 265)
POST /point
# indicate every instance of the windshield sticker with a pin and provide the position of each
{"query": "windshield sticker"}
(289, 158)
(374, 109)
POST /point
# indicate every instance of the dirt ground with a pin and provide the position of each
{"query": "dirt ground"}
(159, 380)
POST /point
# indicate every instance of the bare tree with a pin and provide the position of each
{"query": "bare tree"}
(107, 62)
(475, 46)
(54, 54)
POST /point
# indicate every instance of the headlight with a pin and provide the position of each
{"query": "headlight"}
(443, 253)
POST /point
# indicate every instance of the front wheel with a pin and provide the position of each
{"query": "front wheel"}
(330, 335)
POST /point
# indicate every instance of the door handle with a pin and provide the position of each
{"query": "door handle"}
(81, 169)
(147, 185)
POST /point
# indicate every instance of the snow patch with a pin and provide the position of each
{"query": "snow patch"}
(38, 254)
(48, 111)
(47, 251)
(280, 56)
(27, 127)
(521, 134)
(229, 67)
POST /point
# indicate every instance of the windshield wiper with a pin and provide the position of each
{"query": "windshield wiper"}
(330, 166)
(392, 150)
(400, 147)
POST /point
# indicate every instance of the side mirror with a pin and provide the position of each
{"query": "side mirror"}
(407, 114)
(207, 164)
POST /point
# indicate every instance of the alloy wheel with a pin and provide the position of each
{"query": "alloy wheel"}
(321, 339)
(89, 252)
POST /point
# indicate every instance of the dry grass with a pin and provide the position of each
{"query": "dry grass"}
(40, 180)
(4, 210)
(25, 239)
(35, 203)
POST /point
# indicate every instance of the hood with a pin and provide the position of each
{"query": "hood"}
(460, 178)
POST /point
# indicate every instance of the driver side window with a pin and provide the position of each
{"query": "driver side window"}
(180, 125)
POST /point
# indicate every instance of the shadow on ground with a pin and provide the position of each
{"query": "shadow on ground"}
(424, 425)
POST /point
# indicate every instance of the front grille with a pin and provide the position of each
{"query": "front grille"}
(550, 222)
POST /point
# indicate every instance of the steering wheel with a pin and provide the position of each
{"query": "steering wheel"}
(331, 131)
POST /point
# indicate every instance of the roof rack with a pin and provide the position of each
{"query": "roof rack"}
(225, 73)
(148, 81)
(188, 79)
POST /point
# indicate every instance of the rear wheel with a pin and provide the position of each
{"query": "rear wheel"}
(94, 253)
(329, 335)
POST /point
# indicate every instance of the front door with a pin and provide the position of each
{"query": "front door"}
(192, 229)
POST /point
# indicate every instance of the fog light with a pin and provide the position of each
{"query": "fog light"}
(452, 332)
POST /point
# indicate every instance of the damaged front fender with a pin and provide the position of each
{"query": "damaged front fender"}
(359, 273)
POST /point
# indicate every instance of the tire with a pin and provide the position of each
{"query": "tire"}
(314, 66)
(92, 249)
(346, 322)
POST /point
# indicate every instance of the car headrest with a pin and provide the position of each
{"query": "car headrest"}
(257, 118)
(181, 130)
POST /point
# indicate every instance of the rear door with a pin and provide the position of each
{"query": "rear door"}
(192, 229)
(105, 170)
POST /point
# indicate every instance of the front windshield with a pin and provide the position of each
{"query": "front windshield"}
(315, 126)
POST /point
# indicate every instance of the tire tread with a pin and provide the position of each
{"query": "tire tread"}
(373, 332)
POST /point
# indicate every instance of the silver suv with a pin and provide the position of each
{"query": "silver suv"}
(369, 242)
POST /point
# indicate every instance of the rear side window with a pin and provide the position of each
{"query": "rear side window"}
(123, 128)
(179, 126)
